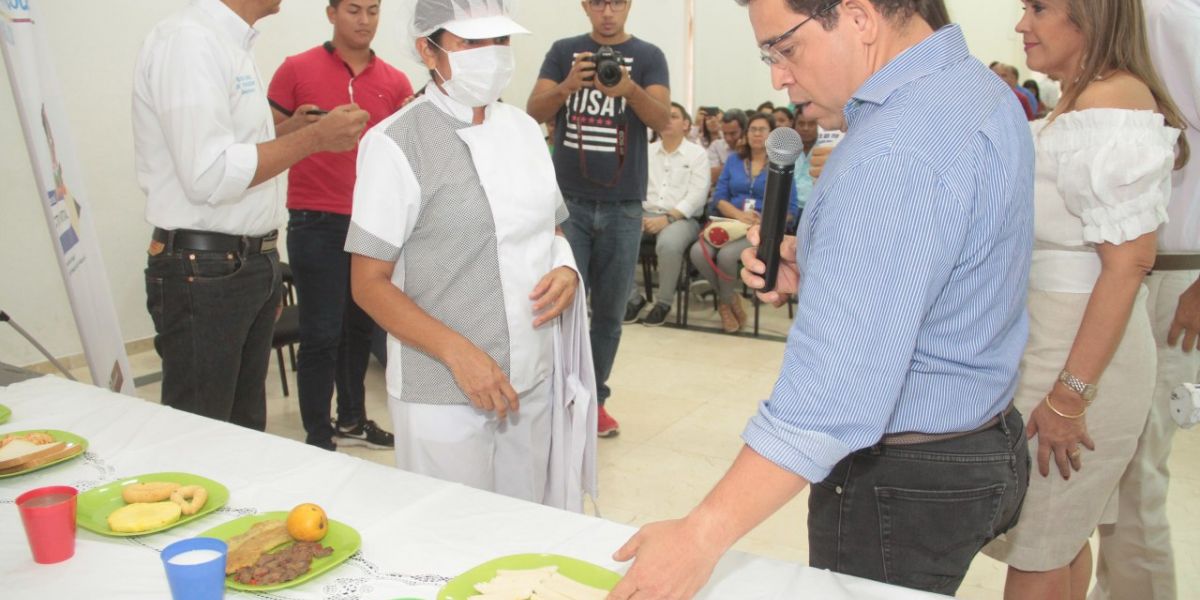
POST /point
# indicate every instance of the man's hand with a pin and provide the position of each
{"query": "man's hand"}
(583, 70)
(299, 120)
(553, 294)
(482, 381)
(1187, 319)
(654, 225)
(623, 89)
(787, 283)
(817, 160)
(339, 130)
(672, 561)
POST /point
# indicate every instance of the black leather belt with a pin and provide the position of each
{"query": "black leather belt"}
(176, 240)
(1177, 262)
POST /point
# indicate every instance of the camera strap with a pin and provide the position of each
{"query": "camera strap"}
(622, 146)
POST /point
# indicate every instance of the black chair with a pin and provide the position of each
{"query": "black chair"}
(287, 327)
(648, 258)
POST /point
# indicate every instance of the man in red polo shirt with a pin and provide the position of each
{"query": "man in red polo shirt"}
(335, 334)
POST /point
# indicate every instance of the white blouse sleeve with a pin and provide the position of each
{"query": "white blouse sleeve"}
(1116, 177)
(387, 199)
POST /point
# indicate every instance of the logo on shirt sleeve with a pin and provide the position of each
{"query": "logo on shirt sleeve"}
(245, 84)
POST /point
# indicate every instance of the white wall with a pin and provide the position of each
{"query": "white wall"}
(94, 45)
(991, 30)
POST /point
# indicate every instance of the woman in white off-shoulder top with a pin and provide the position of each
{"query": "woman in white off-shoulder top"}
(1105, 157)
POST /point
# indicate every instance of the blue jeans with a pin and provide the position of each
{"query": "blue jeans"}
(214, 316)
(605, 236)
(335, 334)
(915, 516)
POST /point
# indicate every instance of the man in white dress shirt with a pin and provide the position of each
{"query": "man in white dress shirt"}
(678, 187)
(207, 158)
(1135, 553)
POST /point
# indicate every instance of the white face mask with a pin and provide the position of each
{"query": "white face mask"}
(479, 74)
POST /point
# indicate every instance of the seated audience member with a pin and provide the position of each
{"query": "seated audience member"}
(709, 126)
(739, 195)
(733, 129)
(1032, 87)
(803, 179)
(766, 108)
(1009, 75)
(784, 117)
(678, 187)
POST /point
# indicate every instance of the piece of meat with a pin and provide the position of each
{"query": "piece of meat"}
(283, 565)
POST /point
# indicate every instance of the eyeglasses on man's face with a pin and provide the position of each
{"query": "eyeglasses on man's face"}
(770, 51)
(617, 5)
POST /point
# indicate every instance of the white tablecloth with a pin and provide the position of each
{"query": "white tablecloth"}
(417, 532)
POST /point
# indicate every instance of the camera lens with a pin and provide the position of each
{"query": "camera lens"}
(609, 73)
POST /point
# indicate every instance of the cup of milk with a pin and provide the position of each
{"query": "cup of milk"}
(196, 568)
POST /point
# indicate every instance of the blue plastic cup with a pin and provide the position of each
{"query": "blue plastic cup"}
(196, 568)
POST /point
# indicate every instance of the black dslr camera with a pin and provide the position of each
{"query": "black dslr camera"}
(609, 64)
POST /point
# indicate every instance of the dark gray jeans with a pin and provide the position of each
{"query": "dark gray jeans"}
(214, 315)
(915, 516)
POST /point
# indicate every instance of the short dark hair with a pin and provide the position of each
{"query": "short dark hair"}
(767, 104)
(900, 11)
(787, 111)
(744, 151)
(335, 3)
(734, 115)
(683, 111)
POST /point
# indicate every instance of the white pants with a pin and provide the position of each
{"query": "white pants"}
(1135, 553)
(463, 444)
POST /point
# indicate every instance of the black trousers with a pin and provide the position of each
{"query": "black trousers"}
(214, 317)
(915, 516)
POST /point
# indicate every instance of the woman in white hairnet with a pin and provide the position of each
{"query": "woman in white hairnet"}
(457, 254)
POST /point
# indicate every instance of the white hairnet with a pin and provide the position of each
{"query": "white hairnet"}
(472, 19)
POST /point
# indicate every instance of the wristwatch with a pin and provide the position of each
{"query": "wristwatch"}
(1086, 390)
(671, 218)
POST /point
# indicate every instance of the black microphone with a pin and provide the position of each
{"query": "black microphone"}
(784, 146)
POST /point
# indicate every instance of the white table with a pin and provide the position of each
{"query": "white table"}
(417, 532)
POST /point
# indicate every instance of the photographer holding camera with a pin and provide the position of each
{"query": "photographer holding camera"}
(603, 90)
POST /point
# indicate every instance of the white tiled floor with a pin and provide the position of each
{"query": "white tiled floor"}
(682, 397)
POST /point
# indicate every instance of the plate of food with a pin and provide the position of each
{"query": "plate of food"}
(531, 576)
(23, 452)
(148, 503)
(5, 414)
(277, 550)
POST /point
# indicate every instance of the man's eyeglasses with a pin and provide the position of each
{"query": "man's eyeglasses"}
(770, 55)
(617, 5)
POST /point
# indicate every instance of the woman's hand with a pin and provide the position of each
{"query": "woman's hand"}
(749, 217)
(482, 380)
(553, 294)
(1059, 436)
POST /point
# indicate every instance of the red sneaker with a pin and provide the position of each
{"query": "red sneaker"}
(606, 425)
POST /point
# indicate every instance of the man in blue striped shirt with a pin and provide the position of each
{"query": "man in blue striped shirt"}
(910, 268)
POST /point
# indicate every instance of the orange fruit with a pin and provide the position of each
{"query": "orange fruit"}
(307, 523)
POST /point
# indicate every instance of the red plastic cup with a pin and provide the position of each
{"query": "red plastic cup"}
(49, 517)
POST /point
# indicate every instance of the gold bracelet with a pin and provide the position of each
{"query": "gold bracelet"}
(1060, 413)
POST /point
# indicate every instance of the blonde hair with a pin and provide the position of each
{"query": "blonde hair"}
(1115, 38)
